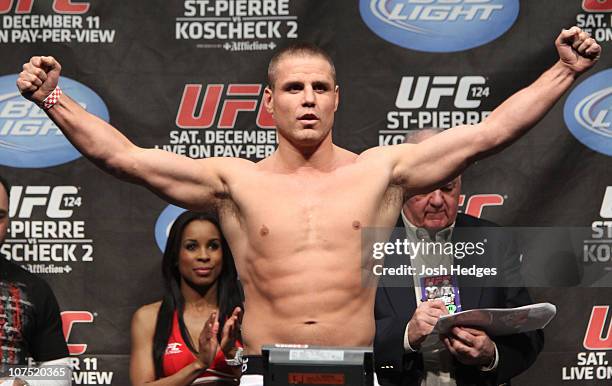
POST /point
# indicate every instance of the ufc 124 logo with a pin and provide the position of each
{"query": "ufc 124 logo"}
(58, 201)
(597, 5)
(59, 6)
(238, 97)
(466, 92)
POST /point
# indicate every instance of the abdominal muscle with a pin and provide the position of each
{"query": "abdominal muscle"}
(315, 298)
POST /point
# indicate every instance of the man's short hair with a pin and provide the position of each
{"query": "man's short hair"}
(298, 49)
(6, 185)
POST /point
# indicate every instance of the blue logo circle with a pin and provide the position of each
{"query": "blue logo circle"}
(28, 138)
(438, 25)
(164, 223)
(587, 112)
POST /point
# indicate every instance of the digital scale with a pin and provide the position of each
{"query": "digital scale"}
(318, 366)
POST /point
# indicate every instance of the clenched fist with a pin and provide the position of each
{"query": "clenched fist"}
(39, 78)
(577, 49)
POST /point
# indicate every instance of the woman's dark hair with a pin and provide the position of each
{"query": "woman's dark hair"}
(229, 294)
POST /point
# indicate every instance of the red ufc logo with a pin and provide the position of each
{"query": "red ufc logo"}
(69, 318)
(595, 338)
(59, 6)
(189, 118)
(597, 5)
(478, 202)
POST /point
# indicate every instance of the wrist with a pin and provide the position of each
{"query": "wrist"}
(236, 359)
(230, 353)
(199, 365)
(414, 341)
(493, 360)
(565, 70)
(51, 99)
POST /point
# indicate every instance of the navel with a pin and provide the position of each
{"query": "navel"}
(356, 225)
(264, 230)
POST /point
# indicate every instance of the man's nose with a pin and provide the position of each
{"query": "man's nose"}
(309, 97)
(436, 198)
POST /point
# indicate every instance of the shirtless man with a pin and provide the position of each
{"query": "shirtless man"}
(294, 219)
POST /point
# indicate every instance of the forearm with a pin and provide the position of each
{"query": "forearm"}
(93, 137)
(525, 109)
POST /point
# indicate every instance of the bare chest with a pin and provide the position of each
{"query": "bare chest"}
(292, 214)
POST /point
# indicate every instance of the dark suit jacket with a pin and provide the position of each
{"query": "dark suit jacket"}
(396, 305)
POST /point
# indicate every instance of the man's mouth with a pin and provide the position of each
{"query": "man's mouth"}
(308, 117)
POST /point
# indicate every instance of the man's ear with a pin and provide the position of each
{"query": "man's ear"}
(268, 100)
(337, 92)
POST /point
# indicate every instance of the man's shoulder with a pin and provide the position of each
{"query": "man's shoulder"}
(30, 286)
(14, 273)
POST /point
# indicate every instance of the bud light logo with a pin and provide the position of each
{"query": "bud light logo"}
(587, 112)
(439, 25)
(164, 223)
(28, 139)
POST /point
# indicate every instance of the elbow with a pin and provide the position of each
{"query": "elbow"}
(121, 165)
(486, 143)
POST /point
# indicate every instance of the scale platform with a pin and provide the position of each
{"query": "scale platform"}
(318, 366)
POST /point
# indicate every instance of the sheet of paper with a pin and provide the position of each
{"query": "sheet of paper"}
(500, 321)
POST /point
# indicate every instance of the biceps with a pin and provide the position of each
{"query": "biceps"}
(429, 164)
(178, 179)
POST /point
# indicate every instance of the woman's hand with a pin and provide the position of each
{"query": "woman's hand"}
(208, 342)
(230, 334)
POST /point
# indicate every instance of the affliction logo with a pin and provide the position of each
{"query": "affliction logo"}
(207, 124)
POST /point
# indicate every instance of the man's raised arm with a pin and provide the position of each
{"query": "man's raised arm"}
(181, 180)
(439, 159)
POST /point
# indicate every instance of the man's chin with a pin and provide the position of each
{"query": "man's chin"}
(436, 224)
(310, 137)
